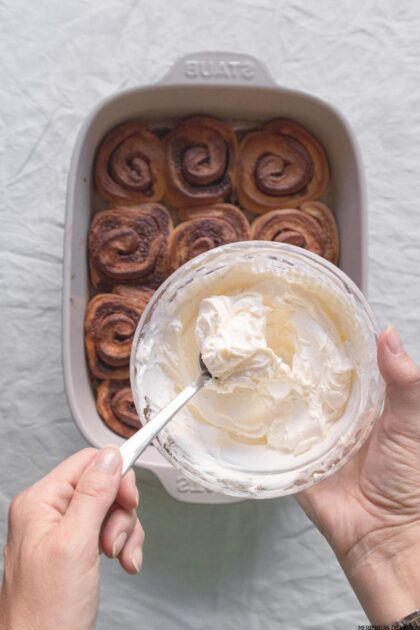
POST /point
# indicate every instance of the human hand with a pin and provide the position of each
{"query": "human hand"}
(57, 528)
(369, 510)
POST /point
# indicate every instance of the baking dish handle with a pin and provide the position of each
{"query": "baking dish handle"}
(183, 489)
(218, 68)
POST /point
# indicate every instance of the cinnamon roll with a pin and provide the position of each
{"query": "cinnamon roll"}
(205, 228)
(141, 294)
(290, 226)
(280, 167)
(326, 220)
(110, 324)
(129, 246)
(201, 157)
(129, 166)
(115, 405)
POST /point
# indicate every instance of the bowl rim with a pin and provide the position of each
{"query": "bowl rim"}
(335, 273)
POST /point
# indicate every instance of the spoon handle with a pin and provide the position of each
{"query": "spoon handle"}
(138, 442)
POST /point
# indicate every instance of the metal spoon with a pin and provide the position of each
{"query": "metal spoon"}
(138, 442)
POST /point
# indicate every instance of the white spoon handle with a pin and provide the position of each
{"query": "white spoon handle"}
(138, 442)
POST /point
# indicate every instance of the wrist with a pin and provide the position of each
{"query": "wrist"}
(383, 570)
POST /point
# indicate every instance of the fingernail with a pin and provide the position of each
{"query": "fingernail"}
(108, 459)
(119, 544)
(394, 340)
(137, 559)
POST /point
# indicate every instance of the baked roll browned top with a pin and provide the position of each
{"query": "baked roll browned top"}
(281, 166)
(204, 228)
(326, 219)
(110, 324)
(129, 246)
(141, 295)
(115, 405)
(129, 166)
(295, 227)
(201, 159)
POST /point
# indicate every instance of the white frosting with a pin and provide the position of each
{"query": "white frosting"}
(285, 346)
(230, 331)
(283, 356)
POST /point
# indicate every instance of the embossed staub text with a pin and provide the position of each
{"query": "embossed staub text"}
(184, 485)
(219, 69)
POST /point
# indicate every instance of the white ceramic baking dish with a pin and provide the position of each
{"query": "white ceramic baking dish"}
(230, 86)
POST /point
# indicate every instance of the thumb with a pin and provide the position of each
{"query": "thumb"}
(95, 492)
(401, 375)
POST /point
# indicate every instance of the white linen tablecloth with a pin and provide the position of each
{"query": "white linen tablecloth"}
(253, 565)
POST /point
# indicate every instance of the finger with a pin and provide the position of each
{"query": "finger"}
(116, 531)
(400, 373)
(131, 556)
(310, 500)
(70, 469)
(127, 498)
(19, 516)
(54, 490)
(95, 493)
(57, 487)
(128, 494)
(394, 362)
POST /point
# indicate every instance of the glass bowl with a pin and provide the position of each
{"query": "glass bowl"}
(205, 460)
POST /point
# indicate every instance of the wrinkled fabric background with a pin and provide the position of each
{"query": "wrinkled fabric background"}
(253, 565)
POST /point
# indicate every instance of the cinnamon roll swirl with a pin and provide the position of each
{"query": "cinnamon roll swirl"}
(280, 167)
(129, 166)
(205, 228)
(201, 157)
(129, 246)
(290, 226)
(115, 405)
(110, 324)
(326, 220)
